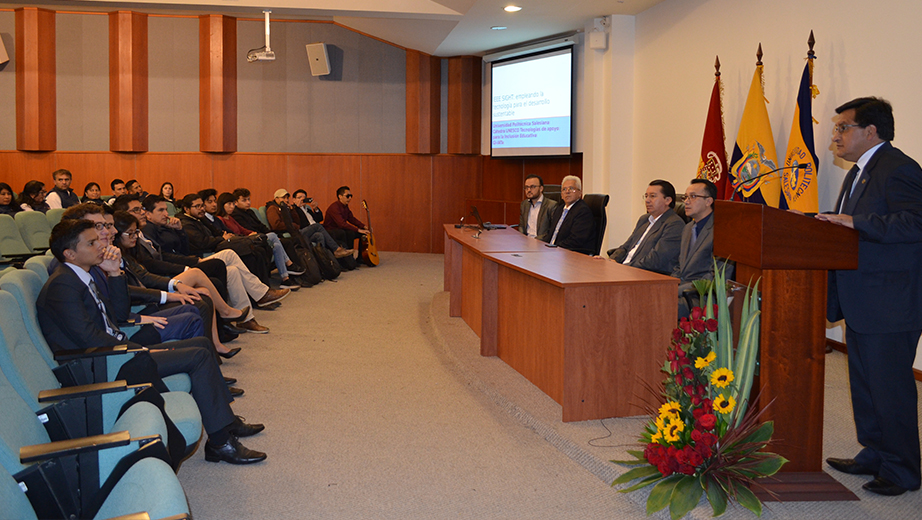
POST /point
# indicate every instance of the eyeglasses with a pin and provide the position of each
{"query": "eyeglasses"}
(138, 210)
(650, 196)
(349, 196)
(197, 206)
(569, 189)
(131, 234)
(535, 187)
(104, 225)
(841, 128)
(694, 196)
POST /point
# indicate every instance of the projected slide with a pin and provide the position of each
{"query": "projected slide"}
(531, 104)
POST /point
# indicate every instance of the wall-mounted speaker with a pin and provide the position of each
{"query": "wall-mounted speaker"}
(4, 57)
(318, 58)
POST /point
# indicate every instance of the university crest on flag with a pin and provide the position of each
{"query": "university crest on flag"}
(712, 163)
(798, 184)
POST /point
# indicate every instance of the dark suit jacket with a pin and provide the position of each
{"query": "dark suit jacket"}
(544, 218)
(885, 293)
(202, 235)
(68, 313)
(577, 232)
(249, 220)
(659, 251)
(316, 215)
(696, 262)
(171, 241)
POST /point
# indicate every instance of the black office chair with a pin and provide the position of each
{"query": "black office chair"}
(597, 203)
(552, 191)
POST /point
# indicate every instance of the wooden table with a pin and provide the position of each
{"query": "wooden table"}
(590, 333)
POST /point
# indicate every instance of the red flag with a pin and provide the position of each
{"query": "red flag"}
(712, 165)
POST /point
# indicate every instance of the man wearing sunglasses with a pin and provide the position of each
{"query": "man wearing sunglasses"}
(340, 221)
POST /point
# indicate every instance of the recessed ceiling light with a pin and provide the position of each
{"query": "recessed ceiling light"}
(512, 8)
(498, 27)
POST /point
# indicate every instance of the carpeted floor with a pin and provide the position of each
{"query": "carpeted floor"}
(378, 405)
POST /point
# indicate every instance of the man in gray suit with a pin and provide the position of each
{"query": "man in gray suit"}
(654, 244)
(535, 214)
(696, 256)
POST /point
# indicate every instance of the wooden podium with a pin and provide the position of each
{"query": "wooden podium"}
(791, 253)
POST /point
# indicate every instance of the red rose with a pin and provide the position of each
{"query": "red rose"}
(697, 313)
(708, 439)
(686, 326)
(707, 421)
(678, 379)
(674, 365)
(704, 451)
(689, 375)
(707, 406)
(676, 334)
(698, 325)
(689, 390)
(711, 325)
(696, 401)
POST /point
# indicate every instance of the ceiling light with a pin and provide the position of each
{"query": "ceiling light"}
(498, 27)
(512, 8)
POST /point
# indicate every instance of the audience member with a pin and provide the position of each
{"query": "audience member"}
(572, 226)
(62, 196)
(696, 255)
(283, 220)
(341, 223)
(92, 193)
(73, 313)
(166, 191)
(133, 187)
(654, 245)
(118, 189)
(7, 206)
(536, 210)
(32, 197)
(309, 212)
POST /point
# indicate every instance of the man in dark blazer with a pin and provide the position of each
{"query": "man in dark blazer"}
(535, 212)
(881, 301)
(696, 252)
(74, 314)
(572, 225)
(654, 245)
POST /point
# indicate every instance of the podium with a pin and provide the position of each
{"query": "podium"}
(791, 253)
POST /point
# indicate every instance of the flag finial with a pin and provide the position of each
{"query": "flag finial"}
(717, 66)
(811, 41)
(759, 55)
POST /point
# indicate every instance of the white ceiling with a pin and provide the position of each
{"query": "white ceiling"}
(437, 27)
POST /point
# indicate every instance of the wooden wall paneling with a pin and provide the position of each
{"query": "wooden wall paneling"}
(128, 99)
(464, 93)
(218, 83)
(551, 169)
(455, 179)
(36, 102)
(398, 189)
(493, 211)
(503, 179)
(99, 167)
(262, 174)
(423, 86)
(21, 167)
(321, 175)
(187, 171)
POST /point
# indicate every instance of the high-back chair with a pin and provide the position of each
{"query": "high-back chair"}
(34, 228)
(12, 247)
(597, 203)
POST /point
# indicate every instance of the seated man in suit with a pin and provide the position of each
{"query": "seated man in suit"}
(309, 211)
(696, 256)
(74, 314)
(572, 222)
(654, 244)
(536, 210)
(282, 219)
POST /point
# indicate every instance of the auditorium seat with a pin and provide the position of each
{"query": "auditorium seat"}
(12, 247)
(34, 228)
(53, 216)
(261, 213)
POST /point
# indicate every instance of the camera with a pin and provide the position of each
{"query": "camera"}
(309, 200)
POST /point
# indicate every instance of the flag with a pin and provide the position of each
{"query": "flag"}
(798, 185)
(712, 165)
(754, 153)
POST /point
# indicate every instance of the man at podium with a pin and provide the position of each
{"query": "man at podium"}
(881, 301)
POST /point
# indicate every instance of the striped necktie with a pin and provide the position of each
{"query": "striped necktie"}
(559, 222)
(111, 328)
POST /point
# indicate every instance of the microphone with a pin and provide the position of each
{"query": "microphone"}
(739, 185)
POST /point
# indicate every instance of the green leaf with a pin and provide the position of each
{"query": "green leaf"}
(637, 453)
(762, 434)
(642, 471)
(661, 494)
(747, 499)
(770, 465)
(685, 497)
(642, 484)
(717, 496)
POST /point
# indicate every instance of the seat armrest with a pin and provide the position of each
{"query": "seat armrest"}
(51, 450)
(73, 392)
(67, 355)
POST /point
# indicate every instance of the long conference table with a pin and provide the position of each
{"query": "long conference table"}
(590, 333)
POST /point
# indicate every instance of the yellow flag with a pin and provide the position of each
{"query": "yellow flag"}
(754, 153)
(798, 183)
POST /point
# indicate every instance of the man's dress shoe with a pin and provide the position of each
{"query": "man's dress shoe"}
(230, 380)
(231, 353)
(239, 428)
(234, 391)
(882, 486)
(849, 466)
(233, 452)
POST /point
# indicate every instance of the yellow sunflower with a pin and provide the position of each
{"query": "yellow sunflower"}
(657, 437)
(722, 377)
(661, 423)
(724, 404)
(670, 409)
(703, 362)
(673, 428)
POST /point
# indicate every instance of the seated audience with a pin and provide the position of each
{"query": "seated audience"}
(283, 220)
(7, 206)
(92, 193)
(341, 223)
(536, 210)
(572, 226)
(309, 212)
(62, 196)
(32, 197)
(166, 191)
(654, 244)
(118, 189)
(133, 187)
(73, 313)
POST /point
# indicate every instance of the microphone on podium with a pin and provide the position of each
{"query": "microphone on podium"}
(739, 185)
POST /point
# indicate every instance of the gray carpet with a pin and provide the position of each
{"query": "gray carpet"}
(378, 405)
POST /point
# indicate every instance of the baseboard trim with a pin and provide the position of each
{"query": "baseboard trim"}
(841, 347)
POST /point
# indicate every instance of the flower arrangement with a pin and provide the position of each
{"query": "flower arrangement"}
(702, 440)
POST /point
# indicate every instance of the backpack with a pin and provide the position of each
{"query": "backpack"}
(329, 267)
(312, 274)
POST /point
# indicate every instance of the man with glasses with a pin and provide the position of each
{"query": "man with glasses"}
(881, 301)
(572, 226)
(341, 223)
(654, 245)
(536, 210)
(696, 254)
